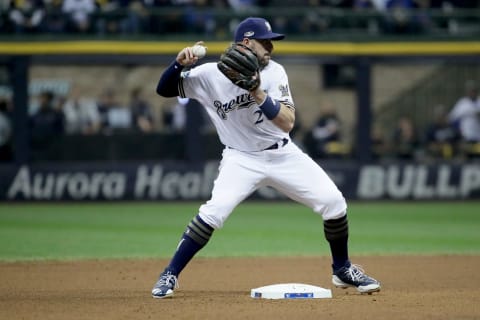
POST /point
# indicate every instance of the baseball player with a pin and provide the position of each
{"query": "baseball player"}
(247, 96)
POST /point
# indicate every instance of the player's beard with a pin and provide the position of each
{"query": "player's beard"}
(263, 62)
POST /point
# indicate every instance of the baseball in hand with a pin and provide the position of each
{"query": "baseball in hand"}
(199, 51)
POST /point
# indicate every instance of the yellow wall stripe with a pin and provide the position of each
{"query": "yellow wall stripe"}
(284, 47)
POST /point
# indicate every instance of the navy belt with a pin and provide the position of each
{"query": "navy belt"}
(278, 144)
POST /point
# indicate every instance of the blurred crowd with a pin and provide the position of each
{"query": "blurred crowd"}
(453, 132)
(52, 114)
(104, 17)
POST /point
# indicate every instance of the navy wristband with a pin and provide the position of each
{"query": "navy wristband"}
(270, 108)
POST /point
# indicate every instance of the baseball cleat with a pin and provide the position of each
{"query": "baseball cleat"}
(353, 276)
(167, 282)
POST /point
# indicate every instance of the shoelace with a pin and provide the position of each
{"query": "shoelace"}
(356, 272)
(168, 280)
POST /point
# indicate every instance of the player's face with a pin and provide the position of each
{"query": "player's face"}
(264, 49)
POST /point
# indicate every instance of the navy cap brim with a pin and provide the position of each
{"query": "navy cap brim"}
(271, 36)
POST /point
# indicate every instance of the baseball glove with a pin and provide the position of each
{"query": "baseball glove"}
(240, 64)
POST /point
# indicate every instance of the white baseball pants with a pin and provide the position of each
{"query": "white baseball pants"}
(287, 169)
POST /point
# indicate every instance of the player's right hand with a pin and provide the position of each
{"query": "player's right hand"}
(186, 57)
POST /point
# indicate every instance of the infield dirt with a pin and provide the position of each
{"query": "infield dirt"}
(413, 287)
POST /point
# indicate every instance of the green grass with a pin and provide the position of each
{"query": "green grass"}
(143, 230)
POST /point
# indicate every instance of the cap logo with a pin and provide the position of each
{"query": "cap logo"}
(269, 28)
(248, 34)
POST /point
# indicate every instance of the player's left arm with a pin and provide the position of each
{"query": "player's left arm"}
(280, 113)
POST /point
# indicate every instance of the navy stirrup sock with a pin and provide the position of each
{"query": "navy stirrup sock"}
(193, 239)
(336, 233)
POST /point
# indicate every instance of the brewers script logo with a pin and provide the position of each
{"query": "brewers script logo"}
(242, 101)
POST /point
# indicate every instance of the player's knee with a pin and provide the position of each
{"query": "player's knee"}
(214, 221)
(333, 208)
(215, 215)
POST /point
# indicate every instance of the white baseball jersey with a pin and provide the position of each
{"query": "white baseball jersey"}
(246, 165)
(239, 121)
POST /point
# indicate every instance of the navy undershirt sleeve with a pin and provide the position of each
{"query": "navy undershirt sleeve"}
(168, 84)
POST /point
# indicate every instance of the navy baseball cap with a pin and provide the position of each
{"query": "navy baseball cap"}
(256, 28)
